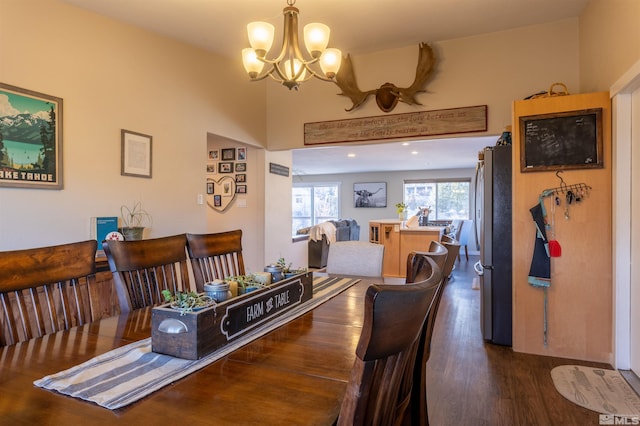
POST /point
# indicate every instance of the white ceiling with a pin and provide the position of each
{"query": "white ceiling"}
(358, 26)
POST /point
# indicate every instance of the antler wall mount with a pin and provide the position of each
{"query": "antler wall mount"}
(387, 95)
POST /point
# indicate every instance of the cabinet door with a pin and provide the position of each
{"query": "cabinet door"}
(391, 265)
(374, 233)
(415, 241)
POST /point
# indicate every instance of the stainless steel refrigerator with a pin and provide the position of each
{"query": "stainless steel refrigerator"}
(493, 229)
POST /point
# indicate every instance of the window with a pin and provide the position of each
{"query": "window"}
(448, 200)
(314, 203)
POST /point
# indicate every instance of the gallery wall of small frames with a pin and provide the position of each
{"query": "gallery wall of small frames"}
(226, 176)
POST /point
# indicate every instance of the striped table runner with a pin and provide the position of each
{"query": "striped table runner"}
(129, 373)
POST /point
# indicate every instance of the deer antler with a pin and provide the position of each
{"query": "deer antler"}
(346, 80)
(387, 95)
(426, 62)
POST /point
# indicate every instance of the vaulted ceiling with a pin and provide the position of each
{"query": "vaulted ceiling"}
(358, 26)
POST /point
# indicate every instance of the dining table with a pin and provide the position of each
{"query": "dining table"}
(296, 374)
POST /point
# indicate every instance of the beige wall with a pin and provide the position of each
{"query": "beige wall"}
(609, 42)
(112, 76)
(246, 212)
(492, 69)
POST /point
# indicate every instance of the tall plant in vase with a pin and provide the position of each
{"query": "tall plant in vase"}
(133, 221)
(401, 209)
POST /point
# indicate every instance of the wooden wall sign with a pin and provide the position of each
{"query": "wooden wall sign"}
(413, 124)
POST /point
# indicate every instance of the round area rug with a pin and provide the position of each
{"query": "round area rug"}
(597, 389)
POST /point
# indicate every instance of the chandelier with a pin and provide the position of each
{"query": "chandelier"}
(290, 67)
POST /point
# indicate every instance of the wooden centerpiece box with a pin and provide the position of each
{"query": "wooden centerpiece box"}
(193, 335)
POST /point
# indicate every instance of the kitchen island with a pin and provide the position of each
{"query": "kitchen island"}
(400, 240)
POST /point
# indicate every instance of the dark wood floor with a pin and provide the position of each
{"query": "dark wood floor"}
(471, 382)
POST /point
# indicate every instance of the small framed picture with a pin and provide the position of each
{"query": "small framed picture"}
(209, 187)
(241, 167)
(225, 167)
(241, 189)
(213, 154)
(228, 154)
(217, 201)
(211, 168)
(227, 189)
(242, 154)
(136, 154)
(241, 178)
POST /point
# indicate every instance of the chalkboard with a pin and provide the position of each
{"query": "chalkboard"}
(559, 141)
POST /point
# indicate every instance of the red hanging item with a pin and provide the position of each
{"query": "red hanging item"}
(554, 246)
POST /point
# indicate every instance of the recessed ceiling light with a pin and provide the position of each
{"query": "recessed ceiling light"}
(351, 155)
(405, 143)
(414, 152)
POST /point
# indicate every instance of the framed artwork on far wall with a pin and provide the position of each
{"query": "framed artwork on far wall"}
(211, 168)
(241, 189)
(241, 167)
(242, 154)
(213, 154)
(228, 154)
(30, 139)
(136, 154)
(225, 167)
(370, 194)
(241, 178)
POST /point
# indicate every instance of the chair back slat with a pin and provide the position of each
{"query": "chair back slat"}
(45, 290)
(215, 256)
(379, 390)
(143, 268)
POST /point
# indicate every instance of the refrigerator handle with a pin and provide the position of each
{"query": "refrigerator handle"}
(478, 268)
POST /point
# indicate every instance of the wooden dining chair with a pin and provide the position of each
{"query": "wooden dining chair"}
(45, 290)
(420, 265)
(380, 386)
(437, 252)
(215, 256)
(453, 250)
(143, 268)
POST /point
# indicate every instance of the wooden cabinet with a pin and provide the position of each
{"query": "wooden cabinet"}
(399, 241)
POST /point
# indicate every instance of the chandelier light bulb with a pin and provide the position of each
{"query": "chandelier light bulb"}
(292, 71)
(330, 62)
(251, 63)
(260, 36)
(316, 38)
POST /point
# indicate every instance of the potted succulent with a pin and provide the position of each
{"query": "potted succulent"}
(245, 283)
(287, 270)
(133, 220)
(188, 301)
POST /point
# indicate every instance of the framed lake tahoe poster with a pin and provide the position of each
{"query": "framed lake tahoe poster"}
(30, 139)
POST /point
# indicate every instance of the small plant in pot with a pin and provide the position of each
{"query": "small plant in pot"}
(289, 271)
(133, 221)
(245, 283)
(189, 301)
